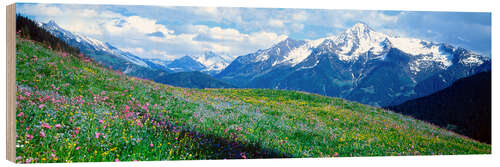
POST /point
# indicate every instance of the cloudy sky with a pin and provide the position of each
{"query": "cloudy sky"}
(170, 32)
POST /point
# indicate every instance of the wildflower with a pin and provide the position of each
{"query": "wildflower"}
(151, 145)
(20, 114)
(57, 126)
(117, 160)
(77, 148)
(243, 155)
(97, 134)
(41, 106)
(45, 125)
(42, 134)
(29, 137)
(101, 121)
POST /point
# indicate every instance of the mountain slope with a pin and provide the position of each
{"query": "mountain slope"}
(185, 64)
(214, 63)
(464, 107)
(69, 103)
(194, 80)
(359, 64)
(155, 70)
(106, 54)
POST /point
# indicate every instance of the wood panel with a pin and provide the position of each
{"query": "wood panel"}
(11, 82)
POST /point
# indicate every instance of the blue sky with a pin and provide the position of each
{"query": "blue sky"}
(170, 32)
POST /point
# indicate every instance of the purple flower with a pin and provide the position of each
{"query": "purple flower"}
(42, 134)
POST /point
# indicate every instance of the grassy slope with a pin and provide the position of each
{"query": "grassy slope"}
(94, 114)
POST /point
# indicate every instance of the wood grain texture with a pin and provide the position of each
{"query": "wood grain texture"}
(11, 82)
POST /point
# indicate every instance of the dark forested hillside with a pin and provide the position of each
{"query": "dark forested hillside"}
(464, 107)
(29, 29)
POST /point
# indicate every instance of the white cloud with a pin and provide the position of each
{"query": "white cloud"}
(297, 27)
(276, 23)
(44, 9)
(300, 16)
(138, 51)
(136, 25)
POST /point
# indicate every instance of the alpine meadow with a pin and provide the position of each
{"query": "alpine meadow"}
(131, 86)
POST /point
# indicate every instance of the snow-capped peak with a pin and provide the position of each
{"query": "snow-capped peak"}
(357, 40)
(213, 61)
(83, 41)
(299, 54)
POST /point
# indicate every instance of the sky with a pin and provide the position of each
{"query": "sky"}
(169, 32)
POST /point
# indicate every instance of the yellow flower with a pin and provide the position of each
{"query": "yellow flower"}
(43, 159)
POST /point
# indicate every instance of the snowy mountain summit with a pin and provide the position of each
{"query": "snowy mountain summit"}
(90, 44)
(359, 64)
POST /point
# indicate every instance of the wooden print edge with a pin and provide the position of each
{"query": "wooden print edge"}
(11, 81)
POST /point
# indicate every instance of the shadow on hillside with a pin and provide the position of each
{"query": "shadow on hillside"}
(221, 148)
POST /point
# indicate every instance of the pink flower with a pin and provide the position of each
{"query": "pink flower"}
(127, 108)
(41, 106)
(97, 134)
(20, 114)
(243, 155)
(77, 148)
(117, 160)
(57, 126)
(29, 137)
(42, 134)
(101, 121)
(151, 145)
(45, 125)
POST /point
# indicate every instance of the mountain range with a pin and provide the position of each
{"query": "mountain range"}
(208, 62)
(153, 69)
(359, 64)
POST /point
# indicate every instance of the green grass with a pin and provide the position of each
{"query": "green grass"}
(95, 114)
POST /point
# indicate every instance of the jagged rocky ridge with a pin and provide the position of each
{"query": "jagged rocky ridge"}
(359, 64)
